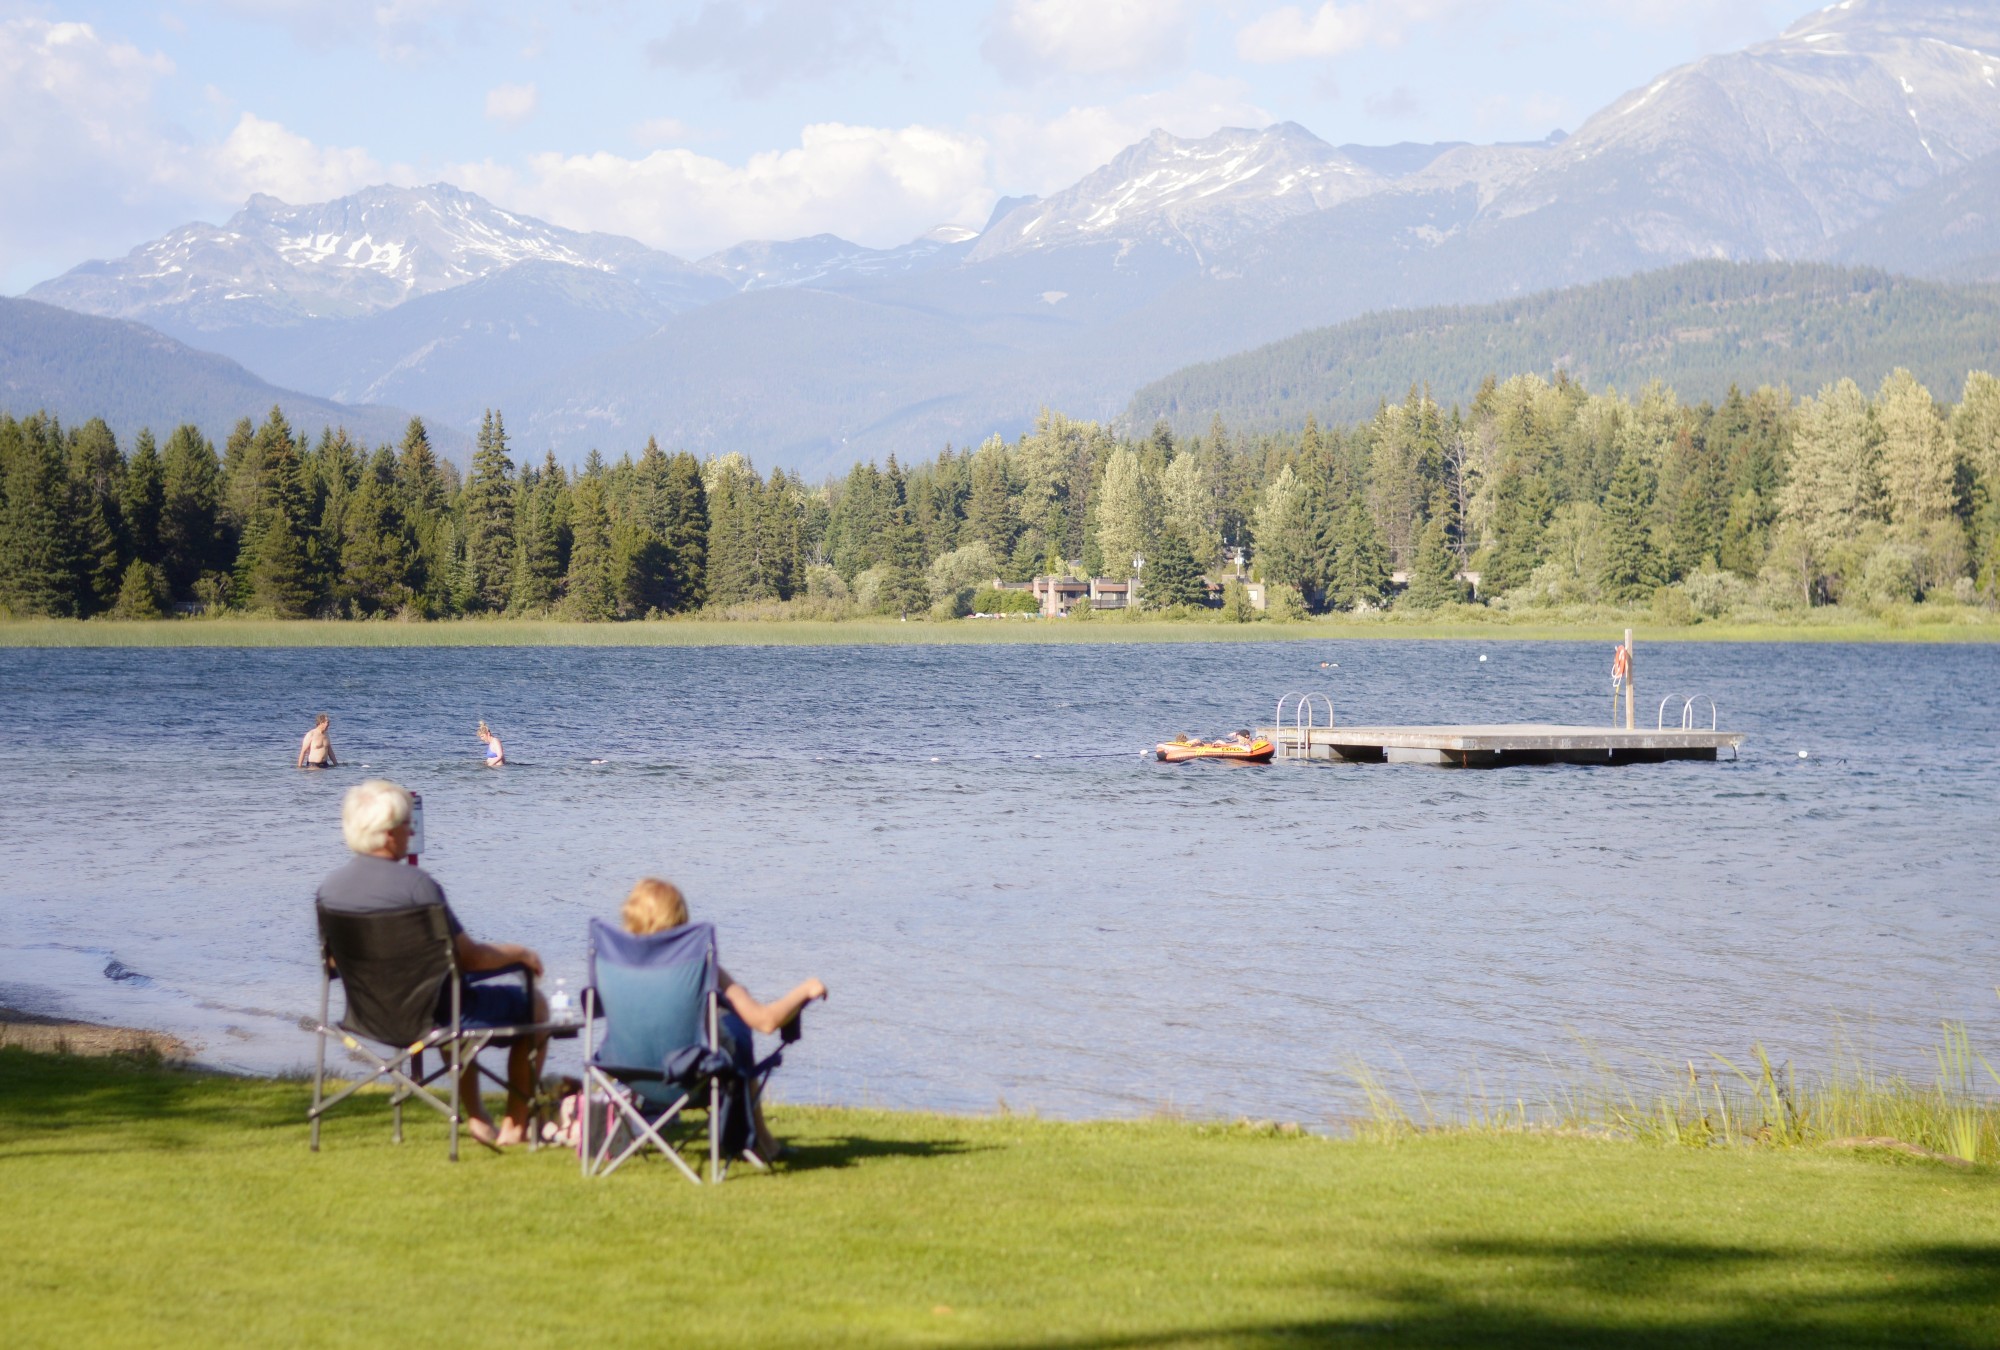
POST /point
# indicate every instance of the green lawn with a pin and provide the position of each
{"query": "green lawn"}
(150, 1206)
(1919, 624)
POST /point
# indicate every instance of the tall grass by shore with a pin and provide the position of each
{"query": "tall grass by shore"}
(1920, 623)
(1724, 1102)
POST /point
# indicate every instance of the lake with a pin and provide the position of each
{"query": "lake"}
(1009, 901)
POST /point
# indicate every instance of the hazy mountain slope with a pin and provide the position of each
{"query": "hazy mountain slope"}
(455, 353)
(1950, 230)
(77, 366)
(1700, 327)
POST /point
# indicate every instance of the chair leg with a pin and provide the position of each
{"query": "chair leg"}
(457, 1065)
(714, 1133)
(319, 1065)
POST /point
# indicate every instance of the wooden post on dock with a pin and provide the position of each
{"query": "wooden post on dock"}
(1631, 681)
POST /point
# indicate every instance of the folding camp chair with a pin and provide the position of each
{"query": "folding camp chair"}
(394, 965)
(661, 1047)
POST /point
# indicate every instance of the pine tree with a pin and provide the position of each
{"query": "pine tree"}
(242, 476)
(379, 548)
(194, 539)
(1522, 508)
(1171, 576)
(1361, 561)
(489, 517)
(38, 564)
(903, 588)
(142, 593)
(735, 569)
(282, 574)
(1631, 568)
(538, 562)
(96, 477)
(589, 592)
(1434, 579)
(141, 500)
(686, 535)
(1284, 533)
(990, 514)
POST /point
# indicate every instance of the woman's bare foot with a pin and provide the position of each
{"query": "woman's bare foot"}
(482, 1131)
(511, 1132)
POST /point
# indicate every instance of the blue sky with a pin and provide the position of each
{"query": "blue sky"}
(693, 124)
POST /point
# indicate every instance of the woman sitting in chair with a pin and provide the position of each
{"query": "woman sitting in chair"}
(654, 906)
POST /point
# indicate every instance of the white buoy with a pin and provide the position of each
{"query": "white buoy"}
(1804, 755)
(1482, 656)
(934, 759)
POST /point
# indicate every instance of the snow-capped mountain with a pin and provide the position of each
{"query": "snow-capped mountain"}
(1203, 194)
(276, 263)
(1861, 131)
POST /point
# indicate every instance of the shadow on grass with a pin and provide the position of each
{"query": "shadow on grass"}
(854, 1150)
(1648, 1295)
(42, 1093)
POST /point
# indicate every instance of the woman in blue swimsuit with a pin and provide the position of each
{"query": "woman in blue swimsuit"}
(495, 756)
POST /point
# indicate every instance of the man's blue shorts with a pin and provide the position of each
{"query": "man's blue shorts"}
(496, 998)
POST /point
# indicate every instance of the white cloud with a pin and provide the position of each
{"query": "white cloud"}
(1289, 33)
(1043, 154)
(1033, 40)
(871, 184)
(402, 30)
(763, 44)
(261, 156)
(512, 104)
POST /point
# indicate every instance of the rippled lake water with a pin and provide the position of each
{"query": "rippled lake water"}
(1008, 901)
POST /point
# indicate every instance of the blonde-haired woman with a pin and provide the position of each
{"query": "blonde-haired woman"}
(654, 906)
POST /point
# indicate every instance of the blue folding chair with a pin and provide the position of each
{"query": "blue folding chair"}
(661, 1043)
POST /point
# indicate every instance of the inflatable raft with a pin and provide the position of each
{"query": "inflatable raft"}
(1258, 751)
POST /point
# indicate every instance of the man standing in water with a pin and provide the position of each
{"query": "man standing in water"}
(375, 821)
(316, 750)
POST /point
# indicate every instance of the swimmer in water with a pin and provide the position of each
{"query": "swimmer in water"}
(316, 749)
(495, 755)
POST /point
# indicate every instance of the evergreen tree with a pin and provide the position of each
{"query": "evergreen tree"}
(1831, 488)
(1360, 573)
(686, 535)
(1284, 533)
(38, 564)
(1171, 576)
(903, 588)
(1522, 507)
(589, 591)
(194, 539)
(1631, 568)
(242, 476)
(282, 574)
(489, 517)
(1188, 507)
(990, 514)
(538, 562)
(142, 593)
(96, 478)
(379, 548)
(141, 500)
(1434, 579)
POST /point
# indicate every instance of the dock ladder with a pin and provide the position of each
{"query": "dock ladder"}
(1687, 712)
(1305, 719)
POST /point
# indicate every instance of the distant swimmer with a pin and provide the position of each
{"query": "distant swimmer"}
(495, 755)
(316, 749)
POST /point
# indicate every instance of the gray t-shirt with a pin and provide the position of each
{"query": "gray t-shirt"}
(368, 885)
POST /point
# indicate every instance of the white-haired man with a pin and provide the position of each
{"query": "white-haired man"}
(375, 820)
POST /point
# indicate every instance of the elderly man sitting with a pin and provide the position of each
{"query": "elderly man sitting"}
(375, 819)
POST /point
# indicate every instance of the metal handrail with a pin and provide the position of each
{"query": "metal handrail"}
(1305, 718)
(1687, 712)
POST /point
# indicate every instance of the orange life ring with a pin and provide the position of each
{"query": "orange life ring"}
(1621, 662)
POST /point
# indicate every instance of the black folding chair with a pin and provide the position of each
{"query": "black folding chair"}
(395, 967)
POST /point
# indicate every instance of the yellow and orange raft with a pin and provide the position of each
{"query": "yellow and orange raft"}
(1179, 752)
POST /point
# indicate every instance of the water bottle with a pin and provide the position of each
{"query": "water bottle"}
(559, 1009)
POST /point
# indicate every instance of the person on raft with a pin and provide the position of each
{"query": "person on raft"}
(316, 749)
(1243, 738)
(495, 754)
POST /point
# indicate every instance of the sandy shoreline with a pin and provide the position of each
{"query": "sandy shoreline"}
(65, 1036)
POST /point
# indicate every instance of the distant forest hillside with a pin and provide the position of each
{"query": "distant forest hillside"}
(75, 367)
(1700, 328)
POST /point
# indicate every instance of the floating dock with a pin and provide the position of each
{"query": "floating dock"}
(1487, 747)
